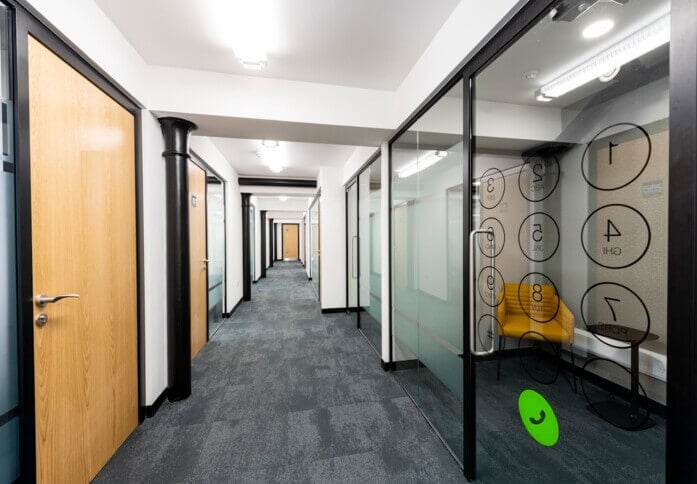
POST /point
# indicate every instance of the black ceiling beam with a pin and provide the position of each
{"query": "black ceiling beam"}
(277, 182)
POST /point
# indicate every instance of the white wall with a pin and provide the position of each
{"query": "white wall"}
(154, 263)
(332, 219)
(205, 148)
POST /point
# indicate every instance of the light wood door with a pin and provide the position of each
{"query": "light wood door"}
(197, 258)
(290, 242)
(83, 241)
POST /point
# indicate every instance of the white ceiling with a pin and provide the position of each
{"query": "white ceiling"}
(302, 160)
(361, 43)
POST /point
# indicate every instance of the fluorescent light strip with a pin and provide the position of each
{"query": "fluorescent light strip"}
(419, 165)
(639, 43)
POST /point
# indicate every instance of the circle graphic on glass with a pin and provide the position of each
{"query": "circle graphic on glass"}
(615, 315)
(607, 405)
(616, 156)
(492, 186)
(491, 286)
(538, 297)
(540, 360)
(616, 236)
(491, 244)
(538, 177)
(487, 337)
(538, 237)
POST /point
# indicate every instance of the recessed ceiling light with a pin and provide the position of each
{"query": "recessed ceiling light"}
(276, 168)
(283, 198)
(441, 154)
(598, 29)
(542, 98)
(253, 65)
(270, 143)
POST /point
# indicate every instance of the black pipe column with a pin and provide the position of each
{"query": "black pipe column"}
(262, 219)
(176, 136)
(246, 268)
(272, 229)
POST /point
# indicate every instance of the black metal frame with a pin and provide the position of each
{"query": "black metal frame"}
(246, 276)
(316, 199)
(202, 163)
(25, 24)
(681, 413)
(262, 219)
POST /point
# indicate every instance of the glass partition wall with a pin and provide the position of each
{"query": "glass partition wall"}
(427, 291)
(364, 302)
(215, 205)
(314, 246)
(9, 394)
(568, 278)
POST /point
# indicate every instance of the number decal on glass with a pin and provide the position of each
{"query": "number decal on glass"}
(611, 231)
(538, 177)
(492, 188)
(616, 236)
(615, 315)
(616, 156)
(612, 308)
(491, 286)
(491, 243)
(538, 237)
(538, 297)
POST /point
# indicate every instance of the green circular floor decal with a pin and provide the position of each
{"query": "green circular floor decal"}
(538, 417)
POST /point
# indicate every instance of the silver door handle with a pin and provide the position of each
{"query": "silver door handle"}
(473, 235)
(42, 299)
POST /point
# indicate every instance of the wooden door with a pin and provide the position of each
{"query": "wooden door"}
(290, 242)
(197, 258)
(83, 241)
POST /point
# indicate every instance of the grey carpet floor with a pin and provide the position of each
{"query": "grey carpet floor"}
(283, 393)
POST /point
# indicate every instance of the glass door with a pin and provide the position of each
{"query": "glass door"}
(252, 245)
(215, 205)
(568, 259)
(369, 300)
(314, 245)
(352, 256)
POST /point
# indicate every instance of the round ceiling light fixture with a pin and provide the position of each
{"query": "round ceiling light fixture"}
(598, 29)
(269, 143)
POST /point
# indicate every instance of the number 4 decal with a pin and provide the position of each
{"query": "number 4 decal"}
(611, 231)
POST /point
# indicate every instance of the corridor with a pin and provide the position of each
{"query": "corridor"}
(283, 393)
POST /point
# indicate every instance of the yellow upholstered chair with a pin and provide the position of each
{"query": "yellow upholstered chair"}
(525, 306)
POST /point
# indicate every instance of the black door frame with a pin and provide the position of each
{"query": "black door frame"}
(26, 24)
(681, 411)
(211, 173)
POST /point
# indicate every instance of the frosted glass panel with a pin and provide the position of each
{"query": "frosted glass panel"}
(369, 194)
(9, 452)
(427, 230)
(8, 309)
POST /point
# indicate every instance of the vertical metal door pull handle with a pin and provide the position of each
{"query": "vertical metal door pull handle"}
(472, 282)
(42, 300)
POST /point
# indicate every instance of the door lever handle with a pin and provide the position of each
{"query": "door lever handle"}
(42, 299)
